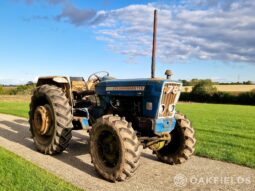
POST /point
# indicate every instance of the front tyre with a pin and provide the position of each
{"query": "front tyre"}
(50, 119)
(114, 148)
(182, 144)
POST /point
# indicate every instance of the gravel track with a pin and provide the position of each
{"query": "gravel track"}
(74, 166)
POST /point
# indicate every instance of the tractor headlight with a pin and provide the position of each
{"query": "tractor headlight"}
(171, 108)
(162, 108)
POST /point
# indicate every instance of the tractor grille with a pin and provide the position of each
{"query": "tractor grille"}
(169, 97)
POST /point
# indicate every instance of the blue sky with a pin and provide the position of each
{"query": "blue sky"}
(196, 39)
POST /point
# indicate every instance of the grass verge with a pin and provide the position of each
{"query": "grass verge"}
(19, 174)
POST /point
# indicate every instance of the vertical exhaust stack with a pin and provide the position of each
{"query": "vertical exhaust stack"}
(154, 45)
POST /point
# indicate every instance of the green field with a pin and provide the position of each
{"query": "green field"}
(14, 108)
(223, 132)
(18, 174)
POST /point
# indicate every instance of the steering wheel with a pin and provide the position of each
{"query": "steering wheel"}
(95, 77)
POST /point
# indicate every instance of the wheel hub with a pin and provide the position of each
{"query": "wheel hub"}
(42, 119)
(108, 149)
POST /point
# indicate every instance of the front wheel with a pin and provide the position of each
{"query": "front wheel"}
(182, 144)
(114, 148)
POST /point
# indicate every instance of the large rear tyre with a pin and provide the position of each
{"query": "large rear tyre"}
(50, 119)
(114, 148)
(182, 144)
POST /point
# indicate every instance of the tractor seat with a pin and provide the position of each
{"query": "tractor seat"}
(78, 84)
(79, 91)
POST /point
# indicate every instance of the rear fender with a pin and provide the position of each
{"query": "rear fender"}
(59, 81)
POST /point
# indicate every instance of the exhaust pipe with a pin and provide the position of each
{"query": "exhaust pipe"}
(154, 45)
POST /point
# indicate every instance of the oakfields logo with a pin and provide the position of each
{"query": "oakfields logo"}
(180, 180)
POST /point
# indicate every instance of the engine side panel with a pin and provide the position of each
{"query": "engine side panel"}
(149, 90)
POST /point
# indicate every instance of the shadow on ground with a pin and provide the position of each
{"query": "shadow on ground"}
(18, 132)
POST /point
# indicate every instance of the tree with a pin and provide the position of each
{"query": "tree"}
(204, 87)
(193, 82)
(185, 82)
(248, 82)
(29, 83)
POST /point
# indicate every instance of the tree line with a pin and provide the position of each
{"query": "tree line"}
(204, 91)
(195, 81)
(17, 90)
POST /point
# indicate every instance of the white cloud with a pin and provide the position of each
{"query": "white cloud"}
(222, 32)
(205, 29)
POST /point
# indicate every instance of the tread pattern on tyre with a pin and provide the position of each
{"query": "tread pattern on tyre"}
(131, 148)
(188, 145)
(63, 118)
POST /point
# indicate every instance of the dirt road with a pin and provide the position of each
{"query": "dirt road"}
(74, 166)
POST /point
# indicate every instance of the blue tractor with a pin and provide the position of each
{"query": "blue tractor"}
(121, 116)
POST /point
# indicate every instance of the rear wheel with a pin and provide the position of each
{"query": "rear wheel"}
(182, 144)
(114, 148)
(50, 119)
